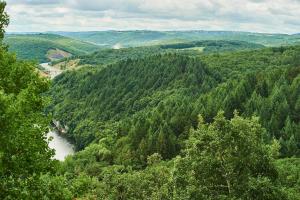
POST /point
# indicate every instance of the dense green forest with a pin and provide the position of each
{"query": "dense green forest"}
(36, 46)
(132, 113)
(210, 46)
(203, 85)
(155, 124)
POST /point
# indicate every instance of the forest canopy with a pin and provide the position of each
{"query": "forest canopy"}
(133, 118)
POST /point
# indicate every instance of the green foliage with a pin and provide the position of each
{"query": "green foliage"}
(23, 126)
(24, 151)
(226, 160)
(46, 187)
(289, 176)
(4, 19)
(274, 107)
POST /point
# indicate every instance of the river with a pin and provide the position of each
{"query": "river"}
(61, 146)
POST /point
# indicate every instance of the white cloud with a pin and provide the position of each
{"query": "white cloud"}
(77, 15)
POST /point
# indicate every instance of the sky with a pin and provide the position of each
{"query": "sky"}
(268, 16)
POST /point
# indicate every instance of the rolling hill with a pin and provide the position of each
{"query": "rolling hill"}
(142, 38)
(58, 45)
(46, 47)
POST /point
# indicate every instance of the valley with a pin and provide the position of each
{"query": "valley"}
(143, 100)
(126, 111)
(124, 106)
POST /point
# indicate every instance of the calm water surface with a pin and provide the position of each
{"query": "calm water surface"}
(61, 146)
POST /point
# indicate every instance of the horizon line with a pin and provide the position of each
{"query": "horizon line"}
(147, 30)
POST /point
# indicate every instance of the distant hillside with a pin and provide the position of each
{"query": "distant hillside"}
(109, 56)
(209, 46)
(140, 38)
(46, 47)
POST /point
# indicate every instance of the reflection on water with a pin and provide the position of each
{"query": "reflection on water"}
(61, 146)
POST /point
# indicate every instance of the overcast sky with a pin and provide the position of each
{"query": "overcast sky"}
(272, 16)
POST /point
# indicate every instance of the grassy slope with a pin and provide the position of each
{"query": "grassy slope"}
(36, 46)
